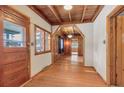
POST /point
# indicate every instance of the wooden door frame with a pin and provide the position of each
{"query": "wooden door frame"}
(110, 55)
(14, 16)
(52, 41)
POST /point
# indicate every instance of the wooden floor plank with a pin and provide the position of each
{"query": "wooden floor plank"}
(67, 72)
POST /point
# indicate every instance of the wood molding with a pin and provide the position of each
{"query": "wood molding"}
(54, 12)
(53, 40)
(117, 10)
(99, 9)
(110, 32)
(74, 22)
(69, 14)
(83, 14)
(45, 51)
(39, 12)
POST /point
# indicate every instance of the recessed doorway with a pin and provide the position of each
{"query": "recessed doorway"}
(74, 47)
(115, 47)
(68, 42)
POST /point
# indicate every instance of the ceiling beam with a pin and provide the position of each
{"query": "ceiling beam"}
(39, 12)
(54, 12)
(70, 16)
(98, 10)
(83, 14)
(73, 31)
(73, 22)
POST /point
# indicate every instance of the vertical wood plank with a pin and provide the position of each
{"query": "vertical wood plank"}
(119, 50)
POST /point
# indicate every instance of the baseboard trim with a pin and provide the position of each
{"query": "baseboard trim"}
(101, 77)
(44, 69)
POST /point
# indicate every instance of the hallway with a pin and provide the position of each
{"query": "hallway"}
(76, 47)
(67, 72)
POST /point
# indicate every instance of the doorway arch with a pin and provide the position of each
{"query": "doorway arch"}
(53, 35)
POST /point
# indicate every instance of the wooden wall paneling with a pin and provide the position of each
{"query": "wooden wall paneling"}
(67, 46)
(80, 46)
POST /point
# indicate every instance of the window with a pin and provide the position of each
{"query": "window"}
(42, 40)
(60, 44)
(74, 43)
(13, 35)
(47, 41)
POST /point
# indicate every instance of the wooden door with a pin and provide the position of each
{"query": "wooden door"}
(120, 51)
(67, 46)
(80, 46)
(14, 47)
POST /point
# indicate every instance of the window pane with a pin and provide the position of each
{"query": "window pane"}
(62, 44)
(39, 40)
(74, 43)
(47, 41)
(13, 35)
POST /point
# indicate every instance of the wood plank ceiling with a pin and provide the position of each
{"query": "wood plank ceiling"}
(66, 30)
(57, 15)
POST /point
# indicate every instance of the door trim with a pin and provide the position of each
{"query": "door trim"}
(53, 37)
(110, 30)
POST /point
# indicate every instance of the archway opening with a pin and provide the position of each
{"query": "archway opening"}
(68, 42)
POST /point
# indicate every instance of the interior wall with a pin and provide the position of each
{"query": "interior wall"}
(99, 36)
(87, 30)
(38, 62)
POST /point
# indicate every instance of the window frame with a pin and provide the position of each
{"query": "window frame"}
(44, 51)
(24, 33)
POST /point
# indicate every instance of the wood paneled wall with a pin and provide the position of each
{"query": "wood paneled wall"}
(67, 46)
(80, 46)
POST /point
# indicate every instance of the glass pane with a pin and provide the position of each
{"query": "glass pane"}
(62, 44)
(74, 43)
(13, 35)
(39, 40)
(47, 41)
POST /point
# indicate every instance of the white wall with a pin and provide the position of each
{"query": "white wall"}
(40, 61)
(87, 30)
(99, 35)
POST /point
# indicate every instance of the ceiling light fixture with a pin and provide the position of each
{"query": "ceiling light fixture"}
(69, 36)
(68, 7)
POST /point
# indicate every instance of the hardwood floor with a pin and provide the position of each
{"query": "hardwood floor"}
(67, 72)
